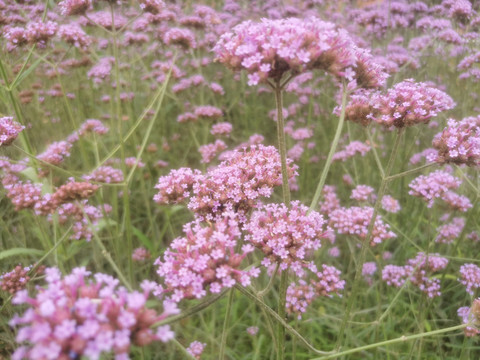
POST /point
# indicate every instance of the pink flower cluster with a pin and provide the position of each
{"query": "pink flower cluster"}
(355, 221)
(205, 258)
(433, 186)
(363, 193)
(9, 130)
(15, 280)
(140, 254)
(235, 184)
(180, 36)
(152, 6)
(449, 232)
(351, 150)
(409, 103)
(390, 204)
(470, 277)
(223, 128)
(271, 48)
(417, 271)
(326, 283)
(80, 316)
(74, 7)
(459, 143)
(209, 151)
(368, 269)
(196, 349)
(105, 174)
(471, 316)
(285, 236)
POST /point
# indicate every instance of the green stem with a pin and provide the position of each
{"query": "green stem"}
(333, 148)
(282, 296)
(408, 172)
(280, 320)
(186, 313)
(366, 242)
(223, 341)
(392, 341)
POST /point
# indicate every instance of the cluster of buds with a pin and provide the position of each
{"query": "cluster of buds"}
(17, 279)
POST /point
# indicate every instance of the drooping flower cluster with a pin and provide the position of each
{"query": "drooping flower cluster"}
(80, 315)
(355, 221)
(433, 186)
(286, 236)
(271, 48)
(236, 183)
(418, 270)
(459, 143)
(326, 283)
(205, 258)
(470, 277)
(9, 130)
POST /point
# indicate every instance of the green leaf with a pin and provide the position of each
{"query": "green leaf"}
(27, 72)
(143, 239)
(20, 251)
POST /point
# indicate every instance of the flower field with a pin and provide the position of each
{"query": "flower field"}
(239, 179)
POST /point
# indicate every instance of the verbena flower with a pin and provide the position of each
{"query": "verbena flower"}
(471, 316)
(80, 315)
(271, 48)
(206, 258)
(74, 7)
(355, 221)
(237, 183)
(196, 349)
(418, 270)
(9, 130)
(433, 186)
(470, 277)
(409, 103)
(285, 235)
(459, 143)
(323, 283)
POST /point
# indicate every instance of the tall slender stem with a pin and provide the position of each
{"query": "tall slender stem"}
(286, 199)
(393, 341)
(226, 321)
(333, 148)
(366, 242)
